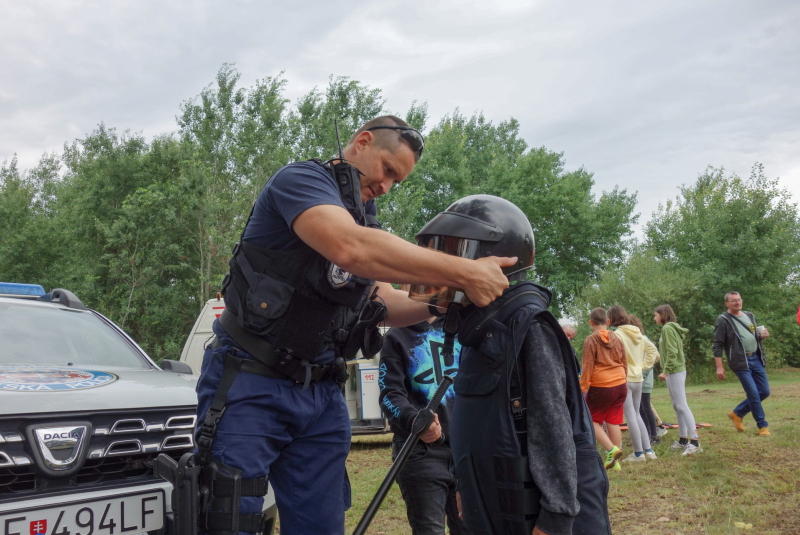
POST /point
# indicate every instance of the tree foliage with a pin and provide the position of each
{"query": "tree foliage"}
(142, 230)
(576, 234)
(723, 233)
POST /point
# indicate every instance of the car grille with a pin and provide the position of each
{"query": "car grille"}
(95, 472)
(122, 448)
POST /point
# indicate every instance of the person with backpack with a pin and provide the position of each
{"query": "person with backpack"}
(737, 332)
(521, 435)
(673, 364)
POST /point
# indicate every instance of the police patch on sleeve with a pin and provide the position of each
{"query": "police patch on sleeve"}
(43, 379)
(337, 277)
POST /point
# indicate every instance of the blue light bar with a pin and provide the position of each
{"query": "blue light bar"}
(13, 288)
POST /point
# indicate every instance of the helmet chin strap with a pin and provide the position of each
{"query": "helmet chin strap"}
(452, 321)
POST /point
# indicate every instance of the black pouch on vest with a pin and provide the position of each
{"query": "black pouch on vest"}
(365, 334)
(266, 303)
(266, 300)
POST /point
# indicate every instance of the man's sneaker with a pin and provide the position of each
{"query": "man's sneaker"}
(612, 457)
(660, 432)
(678, 446)
(691, 449)
(632, 458)
(763, 432)
(737, 421)
(651, 455)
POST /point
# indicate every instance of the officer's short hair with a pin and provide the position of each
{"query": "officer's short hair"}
(727, 295)
(385, 139)
(598, 316)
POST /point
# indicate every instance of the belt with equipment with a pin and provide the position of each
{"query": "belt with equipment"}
(278, 365)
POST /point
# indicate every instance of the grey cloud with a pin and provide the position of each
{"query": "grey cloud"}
(644, 95)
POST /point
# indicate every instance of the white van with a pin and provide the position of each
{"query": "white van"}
(361, 391)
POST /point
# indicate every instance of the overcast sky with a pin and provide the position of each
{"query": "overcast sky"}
(643, 94)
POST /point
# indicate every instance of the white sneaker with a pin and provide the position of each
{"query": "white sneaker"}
(632, 458)
(651, 455)
(660, 432)
(691, 449)
(678, 446)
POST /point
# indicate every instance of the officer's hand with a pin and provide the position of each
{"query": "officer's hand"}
(721, 373)
(434, 431)
(764, 333)
(486, 282)
(537, 531)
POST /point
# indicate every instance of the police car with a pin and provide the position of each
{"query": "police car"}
(84, 412)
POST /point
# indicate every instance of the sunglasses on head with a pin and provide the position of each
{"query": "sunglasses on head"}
(407, 134)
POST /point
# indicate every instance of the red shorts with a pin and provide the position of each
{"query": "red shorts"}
(607, 404)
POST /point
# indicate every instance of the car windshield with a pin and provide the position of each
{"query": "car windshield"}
(54, 336)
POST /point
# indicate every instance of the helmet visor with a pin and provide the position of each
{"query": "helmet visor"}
(441, 296)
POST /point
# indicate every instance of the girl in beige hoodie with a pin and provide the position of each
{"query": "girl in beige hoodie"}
(634, 344)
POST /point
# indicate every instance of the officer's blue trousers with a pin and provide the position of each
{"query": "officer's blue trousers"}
(299, 438)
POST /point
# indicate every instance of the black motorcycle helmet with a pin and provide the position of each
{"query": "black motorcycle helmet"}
(475, 227)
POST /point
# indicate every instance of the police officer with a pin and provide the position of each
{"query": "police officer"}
(301, 297)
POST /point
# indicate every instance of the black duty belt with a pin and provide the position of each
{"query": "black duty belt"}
(279, 365)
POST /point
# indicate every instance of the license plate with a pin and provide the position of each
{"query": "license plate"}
(120, 515)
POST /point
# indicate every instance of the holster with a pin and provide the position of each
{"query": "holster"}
(206, 493)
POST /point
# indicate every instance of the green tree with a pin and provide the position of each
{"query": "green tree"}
(312, 123)
(640, 284)
(142, 231)
(732, 234)
(576, 234)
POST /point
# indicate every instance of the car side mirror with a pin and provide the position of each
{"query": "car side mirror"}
(175, 366)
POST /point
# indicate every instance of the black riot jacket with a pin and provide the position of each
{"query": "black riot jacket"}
(521, 434)
(286, 307)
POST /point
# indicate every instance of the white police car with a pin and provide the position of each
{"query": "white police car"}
(83, 414)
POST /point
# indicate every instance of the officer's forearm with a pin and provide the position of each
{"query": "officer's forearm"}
(400, 310)
(376, 254)
(382, 256)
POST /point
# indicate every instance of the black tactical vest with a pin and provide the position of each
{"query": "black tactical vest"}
(488, 429)
(297, 300)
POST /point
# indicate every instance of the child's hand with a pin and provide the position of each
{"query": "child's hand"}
(662, 376)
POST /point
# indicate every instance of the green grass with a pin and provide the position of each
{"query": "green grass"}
(740, 477)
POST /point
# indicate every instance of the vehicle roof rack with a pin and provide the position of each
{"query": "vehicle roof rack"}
(64, 297)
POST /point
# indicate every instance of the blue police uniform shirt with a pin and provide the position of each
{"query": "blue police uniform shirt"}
(291, 191)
